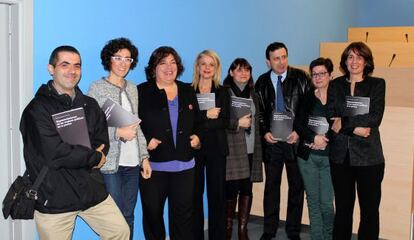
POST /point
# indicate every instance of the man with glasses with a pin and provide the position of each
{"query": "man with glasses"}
(73, 185)
(281, 89)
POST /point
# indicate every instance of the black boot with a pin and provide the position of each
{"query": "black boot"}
(245, 204)
(231, 208)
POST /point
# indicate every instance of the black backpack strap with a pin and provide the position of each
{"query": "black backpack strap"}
(32, 192)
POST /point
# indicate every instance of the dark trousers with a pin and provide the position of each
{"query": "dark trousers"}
(367, 180)
(277, 156)
(178, 187)
(214, 167)
(242, 187)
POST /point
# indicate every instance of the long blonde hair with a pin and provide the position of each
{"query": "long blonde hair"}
(196, 72)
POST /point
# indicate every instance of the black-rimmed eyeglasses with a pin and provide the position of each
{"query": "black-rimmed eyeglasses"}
(321, 74)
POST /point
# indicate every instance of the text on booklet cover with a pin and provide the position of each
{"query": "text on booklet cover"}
(240, 107)
(356, 105)
(72, 128)
(282, 125)
(318, 125)
(117, 116)
(206, 101)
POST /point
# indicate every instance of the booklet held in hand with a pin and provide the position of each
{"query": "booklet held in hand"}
(282, 125)
(117, 116)
(72, 128)
(206, 101)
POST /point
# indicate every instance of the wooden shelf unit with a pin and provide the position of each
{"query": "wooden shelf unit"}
(381, 34)
(382, 51)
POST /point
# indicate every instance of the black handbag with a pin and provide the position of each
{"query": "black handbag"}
(20, 200)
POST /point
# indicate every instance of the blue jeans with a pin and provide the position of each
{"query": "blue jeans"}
(319, 195)
(123, 187)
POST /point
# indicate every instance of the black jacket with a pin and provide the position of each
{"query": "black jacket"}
(362, 151)
(306, 135)
(71, 183)
(295, 86)
(153, 111)
(214, 134)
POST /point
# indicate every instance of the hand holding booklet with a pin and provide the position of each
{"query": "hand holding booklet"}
(72, 128)
(240, 107)
(117, 116)
(282, 125)
(206, 101)
(318, 125)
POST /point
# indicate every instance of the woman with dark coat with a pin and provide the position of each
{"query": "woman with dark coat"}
(357, 160)
(313, 151)
(169, 112)
(244, 162)
(211, 158)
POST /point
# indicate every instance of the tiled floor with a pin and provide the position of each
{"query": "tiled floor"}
(255, 228)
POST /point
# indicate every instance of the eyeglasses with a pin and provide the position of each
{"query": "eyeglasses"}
(321, 74)
(122, 59)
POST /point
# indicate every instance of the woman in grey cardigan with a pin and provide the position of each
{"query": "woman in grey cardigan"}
(244, 162)
(128, 147)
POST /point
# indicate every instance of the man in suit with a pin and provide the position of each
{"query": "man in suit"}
(281, 89)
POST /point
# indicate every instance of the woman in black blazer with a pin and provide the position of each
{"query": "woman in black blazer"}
(211, 158)
(169, 112)
(357, 160)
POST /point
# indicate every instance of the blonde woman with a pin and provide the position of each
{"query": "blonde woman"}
(211, 158)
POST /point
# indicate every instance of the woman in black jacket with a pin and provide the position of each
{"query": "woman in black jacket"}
(313, 150)
(212, 155)
(169, 112)
(356, 155)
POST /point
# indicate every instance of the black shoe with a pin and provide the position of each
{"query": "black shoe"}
(294, 238)
(267, 236)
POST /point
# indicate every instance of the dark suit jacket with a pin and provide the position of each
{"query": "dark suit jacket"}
(154, 113)
(362, 151)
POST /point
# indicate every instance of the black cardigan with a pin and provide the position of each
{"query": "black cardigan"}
(306, 135)
(214, 138)
(362, 151)
(153, 111)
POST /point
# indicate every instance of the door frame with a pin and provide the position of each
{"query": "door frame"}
(18, 90)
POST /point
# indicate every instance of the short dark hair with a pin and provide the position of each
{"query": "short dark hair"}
(326, 62)
(113, 46)
(361, 49)
(156, 57)
(274, 46)
(242, 63)
(65, 48)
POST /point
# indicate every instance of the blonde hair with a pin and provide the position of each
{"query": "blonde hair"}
(196, 72)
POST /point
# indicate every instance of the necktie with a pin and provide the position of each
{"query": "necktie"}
(280, 102)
